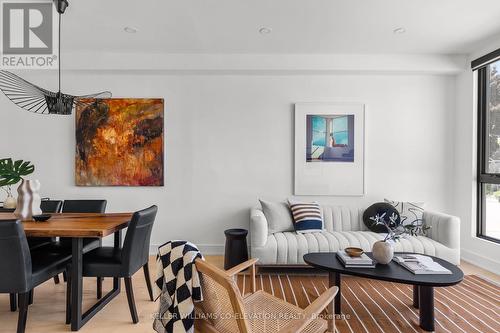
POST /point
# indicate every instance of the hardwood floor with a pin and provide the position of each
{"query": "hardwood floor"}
(470, 269)
(47, 313)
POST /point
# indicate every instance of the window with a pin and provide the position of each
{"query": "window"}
(319, 131)
(340, 130)
(488, 73)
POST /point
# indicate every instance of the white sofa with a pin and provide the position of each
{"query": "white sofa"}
(344, 227)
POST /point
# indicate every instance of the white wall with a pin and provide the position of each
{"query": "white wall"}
(473, 249)
(229, 141)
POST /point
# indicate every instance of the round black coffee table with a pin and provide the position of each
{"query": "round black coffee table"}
(423, 285)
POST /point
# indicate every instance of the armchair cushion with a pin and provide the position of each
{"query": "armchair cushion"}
(258, 306)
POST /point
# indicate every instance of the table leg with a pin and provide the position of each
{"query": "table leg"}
(118, 239)
(76, 284)
(118, 245)
(77, 318)
(334, 306)
(415, 296)
(338, 307)
(426, 303)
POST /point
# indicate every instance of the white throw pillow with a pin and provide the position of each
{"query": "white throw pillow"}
(410, 212)
(278, 215)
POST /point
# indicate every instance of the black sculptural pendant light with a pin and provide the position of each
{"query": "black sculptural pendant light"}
(38, 100)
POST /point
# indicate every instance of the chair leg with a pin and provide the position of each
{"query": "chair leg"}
(99, 287)
(30, 300)
(68, 298)
(65, 277)
(56, 279)
(13, 302)
(23, 311)
(145, 268)
(131, 301)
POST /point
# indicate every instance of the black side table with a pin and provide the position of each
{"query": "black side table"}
(236, 250)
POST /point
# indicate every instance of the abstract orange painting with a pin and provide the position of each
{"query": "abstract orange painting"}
(119, 142)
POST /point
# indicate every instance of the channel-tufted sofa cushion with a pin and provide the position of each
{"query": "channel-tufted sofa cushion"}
(343, 227)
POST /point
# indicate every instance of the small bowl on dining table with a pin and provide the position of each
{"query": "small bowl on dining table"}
(41, 217)
(354, 251)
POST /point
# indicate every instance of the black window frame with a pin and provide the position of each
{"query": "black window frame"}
(481, 66)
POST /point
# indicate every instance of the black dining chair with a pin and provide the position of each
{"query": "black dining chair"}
(51, 206)
(125, 262)
(23, 270)
(64, 244)
(47, 206)
(84, 206)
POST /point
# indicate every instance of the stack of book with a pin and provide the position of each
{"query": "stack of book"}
(362, 261)
(419, 264)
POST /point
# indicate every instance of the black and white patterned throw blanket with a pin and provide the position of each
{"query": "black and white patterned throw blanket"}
(177, 285)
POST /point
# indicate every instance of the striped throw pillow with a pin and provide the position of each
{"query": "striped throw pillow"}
(306, 216)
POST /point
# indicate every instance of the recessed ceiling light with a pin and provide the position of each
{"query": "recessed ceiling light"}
(130, 30)
(399, 30)
(265, 30)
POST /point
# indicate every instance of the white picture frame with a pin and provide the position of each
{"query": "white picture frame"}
(327, 167)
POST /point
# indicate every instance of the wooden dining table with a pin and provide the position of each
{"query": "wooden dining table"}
(78, 226)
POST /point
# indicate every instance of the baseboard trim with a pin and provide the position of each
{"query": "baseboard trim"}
(480, 261)
(205, 249)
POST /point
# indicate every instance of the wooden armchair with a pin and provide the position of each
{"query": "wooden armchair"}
(225, 310)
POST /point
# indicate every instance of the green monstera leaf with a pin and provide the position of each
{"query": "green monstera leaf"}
(12, 172)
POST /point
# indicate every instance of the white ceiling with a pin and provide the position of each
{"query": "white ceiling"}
(298, 26)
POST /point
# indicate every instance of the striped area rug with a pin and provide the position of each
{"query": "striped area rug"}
(374, 306)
